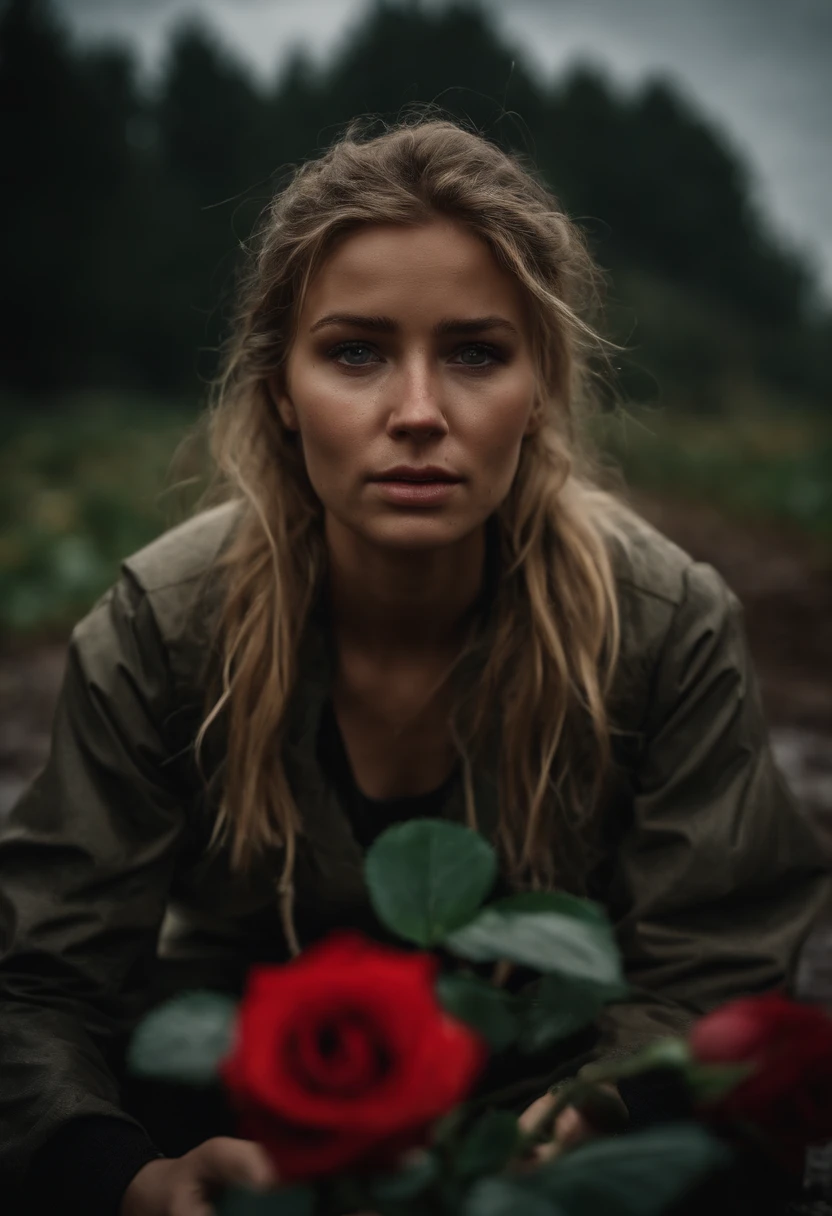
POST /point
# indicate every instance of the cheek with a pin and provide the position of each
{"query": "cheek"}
(333, 431)
(498, 424)
(329, 434)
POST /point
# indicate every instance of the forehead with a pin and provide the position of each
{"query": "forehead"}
(439, 266)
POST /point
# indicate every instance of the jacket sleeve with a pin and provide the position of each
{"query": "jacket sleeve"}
(719, 879)
(86, 861)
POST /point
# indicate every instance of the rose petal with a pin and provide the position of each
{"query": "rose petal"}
(352, 1064)
(788, 1096)
(277, 1074)
(392, 988)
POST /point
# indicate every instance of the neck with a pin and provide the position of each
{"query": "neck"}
(391, 602)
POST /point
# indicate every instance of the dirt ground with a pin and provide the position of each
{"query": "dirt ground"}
(785, 585)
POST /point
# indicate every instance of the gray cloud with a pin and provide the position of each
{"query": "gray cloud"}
(759, 68)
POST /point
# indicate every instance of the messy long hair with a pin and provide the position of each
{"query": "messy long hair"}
(554, 628)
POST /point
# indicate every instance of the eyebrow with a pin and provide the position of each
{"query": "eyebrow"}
(386, 325)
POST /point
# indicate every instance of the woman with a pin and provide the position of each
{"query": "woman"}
(415, 602)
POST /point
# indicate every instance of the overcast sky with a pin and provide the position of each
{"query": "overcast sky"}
(761, 68)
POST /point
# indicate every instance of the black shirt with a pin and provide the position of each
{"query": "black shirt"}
(370, 816)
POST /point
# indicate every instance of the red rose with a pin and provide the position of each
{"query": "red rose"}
(343, 1058)
(788, 1096)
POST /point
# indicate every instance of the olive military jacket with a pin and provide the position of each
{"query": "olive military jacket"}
(709, 874)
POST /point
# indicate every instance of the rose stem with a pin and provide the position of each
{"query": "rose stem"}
(502, 970)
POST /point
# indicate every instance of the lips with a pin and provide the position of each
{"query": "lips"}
(416, 493)
(429, 474)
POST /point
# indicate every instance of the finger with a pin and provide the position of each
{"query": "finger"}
(536, 1113)
(225, 1161)
(546, 1152)
(571, 1128)
(189, 1200)
(604, 1110)
(537, 1156)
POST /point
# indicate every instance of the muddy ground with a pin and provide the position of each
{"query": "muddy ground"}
(785, 584)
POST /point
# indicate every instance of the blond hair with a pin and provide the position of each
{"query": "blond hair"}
(554, 639)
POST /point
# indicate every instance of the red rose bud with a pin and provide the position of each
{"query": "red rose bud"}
(788, 1095)
(343, 1058)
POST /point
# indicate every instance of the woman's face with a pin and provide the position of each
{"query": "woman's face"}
(412, 349)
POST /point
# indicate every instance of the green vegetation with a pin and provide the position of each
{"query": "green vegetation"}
(84, 487)
(770, 466)
(80, 489)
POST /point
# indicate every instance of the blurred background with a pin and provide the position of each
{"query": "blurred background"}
(691, 139)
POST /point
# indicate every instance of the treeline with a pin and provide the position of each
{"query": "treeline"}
(124, 207)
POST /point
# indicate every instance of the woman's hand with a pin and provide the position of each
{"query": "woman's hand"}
(571, 1128)
(183, 1186)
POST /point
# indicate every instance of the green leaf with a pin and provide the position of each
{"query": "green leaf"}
(711, 1082)
(554, 901)
(637, 1175)
(446, 1129)
(427, 878)
(665, 1053)
(288, 1201)
(558, 1005)
(406, 1183)
(488, 1010)
(488, 1145)
(504, 1197)
(550, 932)
(184, 1039)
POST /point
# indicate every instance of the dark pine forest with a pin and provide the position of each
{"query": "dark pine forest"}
(125, 206)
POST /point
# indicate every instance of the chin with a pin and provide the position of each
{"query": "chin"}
(418, 533)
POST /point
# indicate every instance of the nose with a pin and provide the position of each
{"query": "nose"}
(416, 404)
